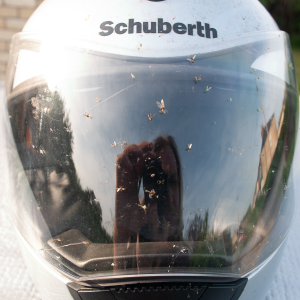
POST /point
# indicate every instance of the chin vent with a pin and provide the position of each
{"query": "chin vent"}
(159, 292)
(162, 291)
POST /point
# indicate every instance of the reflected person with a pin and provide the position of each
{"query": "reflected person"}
(157, 216)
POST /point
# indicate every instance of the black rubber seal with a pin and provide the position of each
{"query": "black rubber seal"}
(162, 291)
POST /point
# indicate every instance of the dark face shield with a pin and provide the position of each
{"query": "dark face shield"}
(127, 166)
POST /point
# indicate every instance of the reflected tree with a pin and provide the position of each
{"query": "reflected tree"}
(44, 139)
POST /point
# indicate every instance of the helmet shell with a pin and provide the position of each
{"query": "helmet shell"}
(152, 28)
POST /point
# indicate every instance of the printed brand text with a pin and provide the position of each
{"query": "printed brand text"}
(158, 27)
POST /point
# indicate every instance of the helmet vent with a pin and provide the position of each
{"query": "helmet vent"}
(159, 291)
(226, 290)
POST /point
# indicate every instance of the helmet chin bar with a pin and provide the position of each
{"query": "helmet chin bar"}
(162, 289)
(77, 252)
(77, 249)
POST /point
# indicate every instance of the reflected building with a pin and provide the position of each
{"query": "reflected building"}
(270, 136)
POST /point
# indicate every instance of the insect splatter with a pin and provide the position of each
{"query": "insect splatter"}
(150, 117)
(152, 193)
(162, 107)
(89, 116)
(58, 240)
(143, 207)
(207, 89)
(121, 145)
(189, 147)
(198, 78)
(192, 58)
(161, 181)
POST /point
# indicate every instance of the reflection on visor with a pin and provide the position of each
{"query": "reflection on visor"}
(273, 63)
(155, 167)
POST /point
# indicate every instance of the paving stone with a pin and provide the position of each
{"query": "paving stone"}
(3, 57)
(13, 23)
(6, 35)
(20, 3)
(8, 11)
(26, 12)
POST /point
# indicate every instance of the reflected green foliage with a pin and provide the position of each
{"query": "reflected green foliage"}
(284, 151)
(61, 150)
(211, 262)
(285, 13)
(198, 228)
(291, 134)
(93, 214)
(296, 55)
(251, 217)
(287, 16)
(208, 247)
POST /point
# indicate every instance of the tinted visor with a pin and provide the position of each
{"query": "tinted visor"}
(153, 166)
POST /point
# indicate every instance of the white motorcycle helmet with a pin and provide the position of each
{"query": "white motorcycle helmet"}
(151, 147)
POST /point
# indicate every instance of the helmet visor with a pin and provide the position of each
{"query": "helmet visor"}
(130, 166)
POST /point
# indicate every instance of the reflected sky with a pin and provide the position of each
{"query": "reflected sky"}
(223, 125)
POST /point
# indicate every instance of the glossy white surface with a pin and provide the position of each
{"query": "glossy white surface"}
(230, 18)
